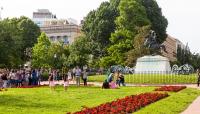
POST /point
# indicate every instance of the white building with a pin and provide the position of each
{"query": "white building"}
(56, 29)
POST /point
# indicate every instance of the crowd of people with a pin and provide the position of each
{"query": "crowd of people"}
(19, 77)
(10, 78)
(72, 74)
(114, 80)
(22, 77)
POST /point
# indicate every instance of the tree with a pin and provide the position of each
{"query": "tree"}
(132, 15)
(183, 55)
(79, 52)
(29, 33)
(132, 18)
(7, 43)
(40, 56)
(58, 52)
(139, 49)
(98, 26)
(17, 34)
(158, 21)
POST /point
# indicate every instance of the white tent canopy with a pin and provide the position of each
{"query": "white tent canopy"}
(152, 64)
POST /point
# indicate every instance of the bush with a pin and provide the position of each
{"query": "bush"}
(45, 76)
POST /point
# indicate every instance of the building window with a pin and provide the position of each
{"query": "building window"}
(58, 38)
(52, 38)
(65, 40)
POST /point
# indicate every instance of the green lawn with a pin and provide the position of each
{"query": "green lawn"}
(43, 101)
(174, 104)
(151, 79)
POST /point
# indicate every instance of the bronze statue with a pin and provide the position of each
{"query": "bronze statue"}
(152, 44)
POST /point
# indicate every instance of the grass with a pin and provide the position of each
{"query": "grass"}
(44, 101)
(174, 104)
(151, 79)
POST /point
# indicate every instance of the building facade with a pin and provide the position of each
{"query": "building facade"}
(171, 45)
(58, 30)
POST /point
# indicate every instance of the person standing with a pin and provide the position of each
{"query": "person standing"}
(34, 77)
(121, 80)
(39, 75)
(5, 80)
(78, 75)
(198, 75)
(29, 78)
(66, 81)
(85, 74)
(69, 74)
(73, 73)
(51, 81)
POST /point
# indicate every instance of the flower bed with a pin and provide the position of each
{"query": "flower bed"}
(125, 105)
(170, 88)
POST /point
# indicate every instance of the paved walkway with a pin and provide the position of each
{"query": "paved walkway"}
(194, 108)
(142, 85)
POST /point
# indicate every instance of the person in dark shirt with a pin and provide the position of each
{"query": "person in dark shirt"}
(198, 79)
(66, 81)
(5, 80)
(121, 80)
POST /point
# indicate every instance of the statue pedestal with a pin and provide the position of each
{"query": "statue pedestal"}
(153, 65)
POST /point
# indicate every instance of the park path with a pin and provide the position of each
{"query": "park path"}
(141, 85)
(193, 108)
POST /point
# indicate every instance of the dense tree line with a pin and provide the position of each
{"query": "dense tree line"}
(17, 35)
(185, 56)
(114, 33)
(117, 30)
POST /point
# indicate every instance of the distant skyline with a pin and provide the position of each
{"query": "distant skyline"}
(183, 15)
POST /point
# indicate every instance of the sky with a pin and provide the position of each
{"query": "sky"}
(183, 15)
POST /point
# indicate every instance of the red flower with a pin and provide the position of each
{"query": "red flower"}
(125, 105)
(170, 88)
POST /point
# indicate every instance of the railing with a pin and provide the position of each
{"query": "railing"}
(157, 77)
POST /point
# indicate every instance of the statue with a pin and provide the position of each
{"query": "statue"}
(152, 44)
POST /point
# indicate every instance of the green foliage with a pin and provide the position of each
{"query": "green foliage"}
(40, 55)
(132, 18)
(114, 29)
(184, 56)
(29, 33)
(47, 54)
(16, 35)
(158, 21)
(79, 52)
(132, 15)
(98, 26)
(139, 49)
